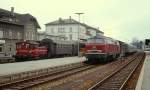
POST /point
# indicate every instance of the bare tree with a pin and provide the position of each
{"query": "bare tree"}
(136, 42)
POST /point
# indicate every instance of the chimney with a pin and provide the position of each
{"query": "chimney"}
(60, 19)
(70, 17)
(12, 10)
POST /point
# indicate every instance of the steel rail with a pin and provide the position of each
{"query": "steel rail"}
(112, 74)
(74, 66)
(41, 79)
(125, 82)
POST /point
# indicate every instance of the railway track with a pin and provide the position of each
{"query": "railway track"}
(87, 80)
(61, 75)
(118, 79)
(27, 83)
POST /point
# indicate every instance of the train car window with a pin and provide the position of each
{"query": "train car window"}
(113, 42)
(99, 40)
(90, 41)
(27, 45)
(31, 46)
(82, 45)
(22, 45)
(108, 41)
(17, 46)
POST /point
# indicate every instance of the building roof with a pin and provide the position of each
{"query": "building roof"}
(16, 18)
(71, 21)
(63, 21)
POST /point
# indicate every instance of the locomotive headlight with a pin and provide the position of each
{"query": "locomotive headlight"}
(99, 50)
(30, 51)
(94, 47)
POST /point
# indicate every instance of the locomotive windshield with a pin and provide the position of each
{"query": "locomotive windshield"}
(97, 40)
(22, 45)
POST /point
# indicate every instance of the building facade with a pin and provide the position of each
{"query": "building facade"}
(16, 27)
(69, 28)
(43, 36)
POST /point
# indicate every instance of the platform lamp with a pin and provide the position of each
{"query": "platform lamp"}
(78, 32)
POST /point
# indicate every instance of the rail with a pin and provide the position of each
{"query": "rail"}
(27, 83)
(118, 78)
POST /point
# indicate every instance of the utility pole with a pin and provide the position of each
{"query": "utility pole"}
(79, 32)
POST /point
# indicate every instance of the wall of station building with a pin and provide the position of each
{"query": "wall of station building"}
(9, 47)
(70, 31)
(30, 32)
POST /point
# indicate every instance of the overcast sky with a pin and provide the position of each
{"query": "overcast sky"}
(120, 19)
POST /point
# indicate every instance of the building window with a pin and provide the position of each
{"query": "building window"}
(82, 30)
(88, 33)
(47, 37)
(1, 33)
(32, 36)
(61, 30)
(19, 35)
(80, 37)
(10, 48)
(70, 36)
(10, 34)
(70, 30)
(26, 35)
(62, 36)
(52, 30)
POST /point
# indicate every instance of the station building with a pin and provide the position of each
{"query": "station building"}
(16, 27)
(69, 28)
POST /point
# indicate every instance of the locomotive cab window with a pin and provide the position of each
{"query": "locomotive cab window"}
(97, 40)
(22, 45)
(33, 46)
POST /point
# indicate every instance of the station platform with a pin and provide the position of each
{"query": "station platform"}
(17, 67)
(144, 78)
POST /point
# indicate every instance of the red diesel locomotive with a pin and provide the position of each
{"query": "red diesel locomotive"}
(25, 50)
(101, 49)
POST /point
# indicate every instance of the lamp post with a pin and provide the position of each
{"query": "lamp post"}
(78, 32)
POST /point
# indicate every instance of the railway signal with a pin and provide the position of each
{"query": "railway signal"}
(147, 41)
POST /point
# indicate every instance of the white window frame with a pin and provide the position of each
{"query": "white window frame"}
(70, 29)
(10, 33)
(1, 33)
(52, 30)
(61, 30)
